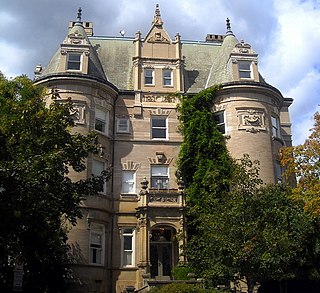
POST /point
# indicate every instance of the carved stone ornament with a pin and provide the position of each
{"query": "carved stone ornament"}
(160, 159)
(130, 165)
(157, 37)
(163, 198)
(160, 112)
(243, 48)
(78, 113)
(159, 99)
(251, 120)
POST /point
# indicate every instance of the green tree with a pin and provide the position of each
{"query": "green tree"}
(240, 229)
(37, 198)
(303, 162)
(204, 162)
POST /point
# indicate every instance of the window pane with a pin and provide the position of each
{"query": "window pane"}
(167, 77)
(158, 133)
(218, 117)
(97, 167)
(128, 182)
(127, 258)
(100, 125)
(159, 170)
(245, 74)
(96, 238)
(96, 244)
(244, 66)
(148, 76)
(244, 69)
(159, 127)
(74, 61)
(123, 125)
(101, 115)
(127, 243)
(158, 122)
(160, 182)
(101, 119)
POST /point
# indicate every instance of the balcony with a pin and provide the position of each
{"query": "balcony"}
(164, 196)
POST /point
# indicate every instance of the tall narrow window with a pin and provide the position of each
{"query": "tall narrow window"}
(128, 182)
(74, 61)
(275, 126)
(101, 120)
(244, 69)
(159, 177)
(167, 77)
(97, 168)
(158, 127)
(218, 117)
(278, 170)
(128, 247)
(148, 76)
(96, 244)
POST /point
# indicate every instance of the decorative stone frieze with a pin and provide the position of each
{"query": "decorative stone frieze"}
(159, 99)
(130, 165)
(251, 120)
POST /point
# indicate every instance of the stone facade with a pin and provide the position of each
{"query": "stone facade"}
(126, 90)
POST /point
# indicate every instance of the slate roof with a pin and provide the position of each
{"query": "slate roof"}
(110, 59)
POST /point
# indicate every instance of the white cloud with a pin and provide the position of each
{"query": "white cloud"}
(306, 102)
(15, 56)
(284, 33)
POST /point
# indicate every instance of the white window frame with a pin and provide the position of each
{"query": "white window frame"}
(123, 125)
(275, 126)
(156, 127)
(244, 72)
(167, 77)
(161, 176)
(148, 76)
(128, 233)
(101, 119)
(221, 125)
(72, 63)
(97, 248)
(128, 181)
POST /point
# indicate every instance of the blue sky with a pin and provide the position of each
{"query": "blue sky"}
(285, 34)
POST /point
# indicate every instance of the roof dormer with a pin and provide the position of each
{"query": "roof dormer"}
(158, 59)
(75, 49)
(244, 63)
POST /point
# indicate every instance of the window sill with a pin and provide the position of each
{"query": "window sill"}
(275, 138)
(131, 268)
(159, 139)
(102, 133)
(129, 197)
(96, 264)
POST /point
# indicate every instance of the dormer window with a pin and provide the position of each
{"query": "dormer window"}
(74, 61)
(245, 70)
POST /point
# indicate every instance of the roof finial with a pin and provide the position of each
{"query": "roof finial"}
(79, 14)
(229, 31)
(157, 16)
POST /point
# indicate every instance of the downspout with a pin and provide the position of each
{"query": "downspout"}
(112, 195)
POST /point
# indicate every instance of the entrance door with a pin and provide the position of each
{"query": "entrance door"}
(161, 261)
(161, 253)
